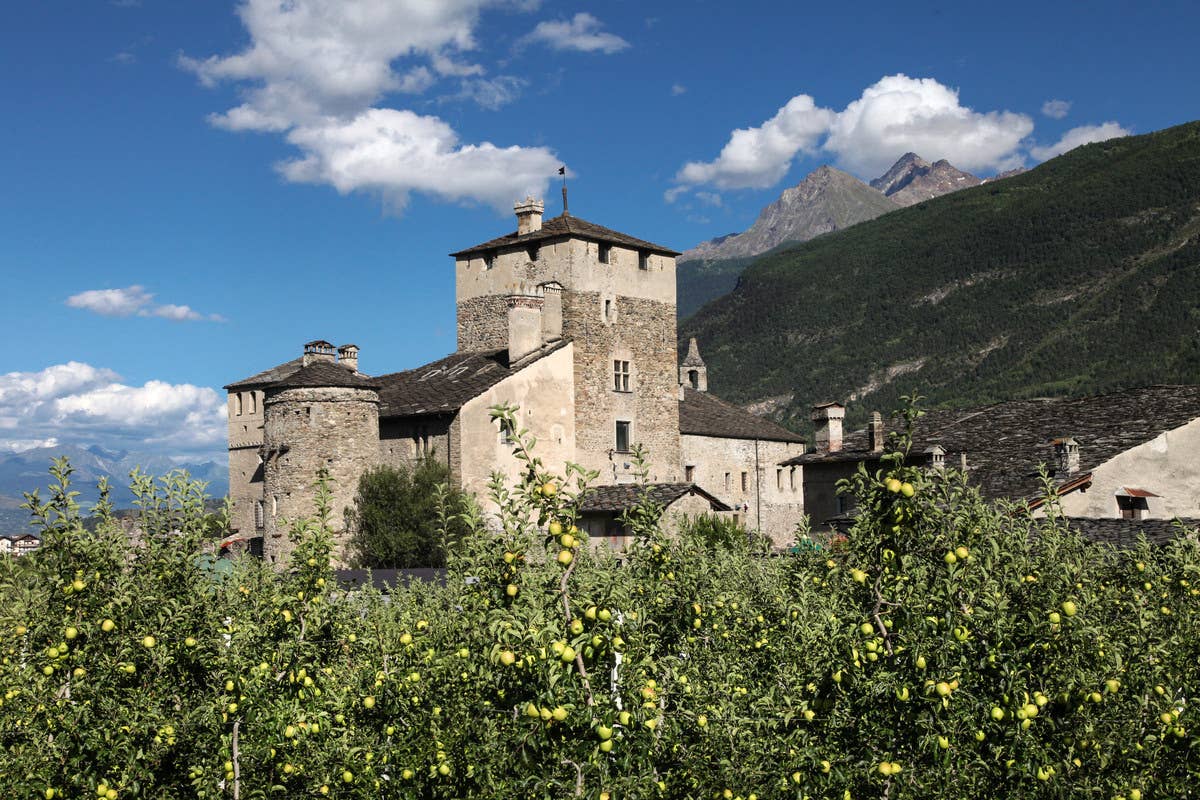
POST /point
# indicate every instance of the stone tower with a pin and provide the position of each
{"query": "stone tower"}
(323, 415)
(692, 372)
(613, 296)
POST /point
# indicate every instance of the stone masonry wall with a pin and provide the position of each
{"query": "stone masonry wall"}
(244, 413)
(773, 498)
(402, 442)
(306, 430)
(482, 323)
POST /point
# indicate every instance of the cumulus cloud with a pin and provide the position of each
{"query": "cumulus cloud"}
(315, 71)
(899, 114)
(582, 33)
(759, 157)
(135, 301)
(895, 115)
(1056, 109)
(81, 403)
(1084, 134)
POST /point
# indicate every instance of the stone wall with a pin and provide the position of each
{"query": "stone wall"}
(773, 498)
(482, 323)
(403, 441)
(308, 429)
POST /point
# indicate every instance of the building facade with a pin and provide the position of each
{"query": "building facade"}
(573, 323)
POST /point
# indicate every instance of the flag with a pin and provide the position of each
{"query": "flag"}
(562, 170)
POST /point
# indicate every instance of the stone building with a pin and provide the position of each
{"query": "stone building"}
(1132, 454)
(570, 321)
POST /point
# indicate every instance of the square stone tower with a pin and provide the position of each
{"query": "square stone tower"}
(614, 296)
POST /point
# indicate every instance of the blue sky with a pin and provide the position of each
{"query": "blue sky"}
(191, 190)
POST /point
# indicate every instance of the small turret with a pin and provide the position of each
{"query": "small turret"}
(692, 372)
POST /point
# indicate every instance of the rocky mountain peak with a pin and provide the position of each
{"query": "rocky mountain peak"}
(912, 179)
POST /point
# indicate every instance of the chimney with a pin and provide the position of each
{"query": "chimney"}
(827, 417)
(875, 433)
(319, 350)
(529, 215)
(935, 457)
(1066, 453)
(524, 321)
(348, 356)
(692, 372)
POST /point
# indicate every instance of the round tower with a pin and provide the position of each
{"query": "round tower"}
(323, 416)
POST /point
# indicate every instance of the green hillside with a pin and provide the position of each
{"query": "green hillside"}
(1079, 276)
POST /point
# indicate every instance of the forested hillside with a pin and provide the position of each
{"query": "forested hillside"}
(1079, 276)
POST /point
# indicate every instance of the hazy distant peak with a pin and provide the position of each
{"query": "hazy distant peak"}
(912, 179)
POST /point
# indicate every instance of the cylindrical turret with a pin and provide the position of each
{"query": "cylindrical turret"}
(322, 417)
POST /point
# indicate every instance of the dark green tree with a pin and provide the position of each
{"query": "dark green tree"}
(405, 518)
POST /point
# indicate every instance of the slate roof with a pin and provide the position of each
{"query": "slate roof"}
(621, 496)
(1004, 443)
(701, 414)
(324, 373)
(1124, 532)
(566, 226)
(444, 386)
(267, 376)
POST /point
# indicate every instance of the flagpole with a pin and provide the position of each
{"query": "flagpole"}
(563, 171)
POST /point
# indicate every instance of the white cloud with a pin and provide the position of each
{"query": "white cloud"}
(678, 89)
(80, 403)
(397, 152)
(582, 33)
(21, 445)
(135, 300)
(1056, 109)
(316, 69)
(1084, 134)
(895, 115)
(899, 114)
(759, 157)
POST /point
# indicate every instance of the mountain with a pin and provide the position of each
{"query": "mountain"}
(1078, 276)
(912, 180)
(826, 200)
(28, 470)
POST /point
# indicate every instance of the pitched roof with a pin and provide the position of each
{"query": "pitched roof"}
(1124, 532)
(566, 226)
(324, 373)
(1005, 443)
(621, 496)
(267, 376)
(444, 386)
(701, 414)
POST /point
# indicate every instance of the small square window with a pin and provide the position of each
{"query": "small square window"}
(622, 436)
(621, 376)
(489, 259)
(606, 254)
(689, 474)
(643, 260)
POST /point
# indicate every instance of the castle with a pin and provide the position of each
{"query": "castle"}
(570, 321)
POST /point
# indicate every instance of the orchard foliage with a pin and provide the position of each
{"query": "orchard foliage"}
(946, 649)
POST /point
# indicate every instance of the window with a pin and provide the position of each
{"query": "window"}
(608, 310)
(792, 478)
(689, 474)
(622, 436)
(643, 260)
(779, 479)
(728, 483)
(532, 251)
(259, 513)
(506, 432)
(606, 254)
(620, 376)
(745, 482)
(254, 402)
(489, 259)
(239, 404)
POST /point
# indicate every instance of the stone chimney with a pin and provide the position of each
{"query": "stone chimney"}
(935, 457)
(319, 350)
(348, 356)
(692, 372)
(875, 433)
(529, 215)
(827, 418)
(1066, 453)
(525, 306)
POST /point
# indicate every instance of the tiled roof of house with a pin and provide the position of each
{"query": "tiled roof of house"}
(324, 373)
(1005, 443)
(626, 495)
(701, 414)
(1124, 532)
(567, 226)
(267, 376)
(444, 386)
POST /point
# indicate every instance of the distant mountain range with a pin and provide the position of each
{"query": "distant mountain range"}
(28, 470)
(826, 200)
(1078, 276)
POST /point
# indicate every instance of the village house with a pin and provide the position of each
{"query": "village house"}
(570, 321)
(19, 544)
(1131, 454)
